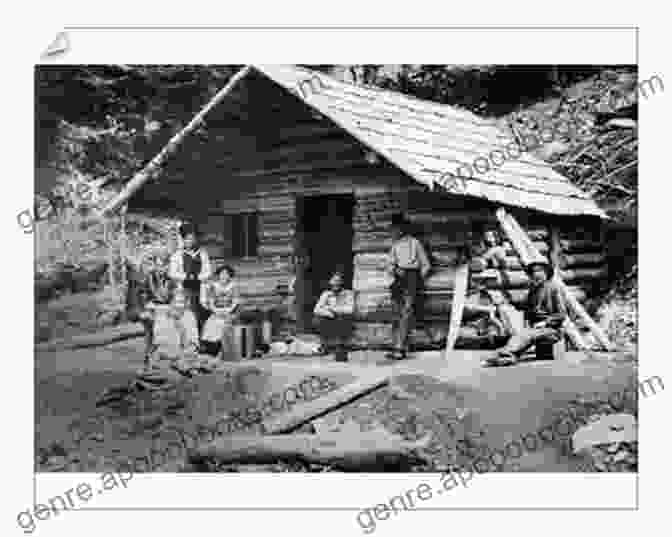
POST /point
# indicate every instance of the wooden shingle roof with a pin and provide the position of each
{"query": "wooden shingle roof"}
(432, 142)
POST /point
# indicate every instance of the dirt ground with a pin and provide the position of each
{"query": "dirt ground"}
(486, 407)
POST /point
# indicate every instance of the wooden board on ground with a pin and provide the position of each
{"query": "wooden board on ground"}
(461, 280)
(304, 412)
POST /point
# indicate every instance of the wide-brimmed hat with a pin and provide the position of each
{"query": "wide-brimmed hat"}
(336, 275)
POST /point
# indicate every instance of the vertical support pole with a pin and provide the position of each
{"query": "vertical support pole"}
(123, 244)
(556, 248)
(107, 227)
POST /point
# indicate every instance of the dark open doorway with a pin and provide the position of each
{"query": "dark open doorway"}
(324, 240)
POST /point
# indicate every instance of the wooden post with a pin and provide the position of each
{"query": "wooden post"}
(457, 307)
(556, 249)
(123, 245)
(107, 224)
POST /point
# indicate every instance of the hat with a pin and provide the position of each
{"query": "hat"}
(188, 228)
(400, 222)
(543, 264)
(337, 274)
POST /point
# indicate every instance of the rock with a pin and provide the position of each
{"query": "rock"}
(613, 447)
(600, 466)
(610, 429)
(620, 456)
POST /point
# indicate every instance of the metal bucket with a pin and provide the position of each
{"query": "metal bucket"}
(245, 339)
(267, 332)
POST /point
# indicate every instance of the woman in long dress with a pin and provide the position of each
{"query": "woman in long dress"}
(222, 299)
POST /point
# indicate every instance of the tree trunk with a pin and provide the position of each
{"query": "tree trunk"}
(151, 170)
(372, 450)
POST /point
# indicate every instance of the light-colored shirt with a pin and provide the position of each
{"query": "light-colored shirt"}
(176, 268)
(341, 303)
(408, 253)
(215, 295)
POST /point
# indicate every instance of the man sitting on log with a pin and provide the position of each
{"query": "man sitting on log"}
(545, 312)
(409, 265)
(333, 313)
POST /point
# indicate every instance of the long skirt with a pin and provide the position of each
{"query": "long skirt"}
(219, 329)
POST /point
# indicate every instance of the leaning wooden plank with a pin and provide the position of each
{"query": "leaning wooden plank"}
(574, 335)
(461, 280)
(154, 166)
(304, 412)
(523, 246)
(371, 450)
(575, 307)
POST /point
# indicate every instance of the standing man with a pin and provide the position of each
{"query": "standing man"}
(333, 313)
(409, 266)
(545, 313)
(190, 267)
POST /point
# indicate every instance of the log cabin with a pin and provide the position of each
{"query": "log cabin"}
(294, 173)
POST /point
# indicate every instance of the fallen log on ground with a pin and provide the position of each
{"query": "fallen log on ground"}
(371, 450)
(97, 339)
(304, 412)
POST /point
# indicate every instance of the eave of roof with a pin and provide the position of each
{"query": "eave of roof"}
(428, 141)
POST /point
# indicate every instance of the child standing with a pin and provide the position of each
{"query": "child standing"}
(221, 297)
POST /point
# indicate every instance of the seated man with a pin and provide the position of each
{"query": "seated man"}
(333, 313)
(545, 312)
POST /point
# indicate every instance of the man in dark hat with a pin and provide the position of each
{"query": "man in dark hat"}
(189, 268)
(333, 313)
(409, 266)
(545, 313)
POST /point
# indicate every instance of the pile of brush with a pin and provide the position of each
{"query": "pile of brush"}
(598, 146)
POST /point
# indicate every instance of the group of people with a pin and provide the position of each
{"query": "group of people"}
(544, 311)
(202, 303)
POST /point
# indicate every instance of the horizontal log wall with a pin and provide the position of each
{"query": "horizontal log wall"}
(264, 279)
(444, 224)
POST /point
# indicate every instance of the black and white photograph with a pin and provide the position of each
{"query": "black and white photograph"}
(322, 295)
(337, 268)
